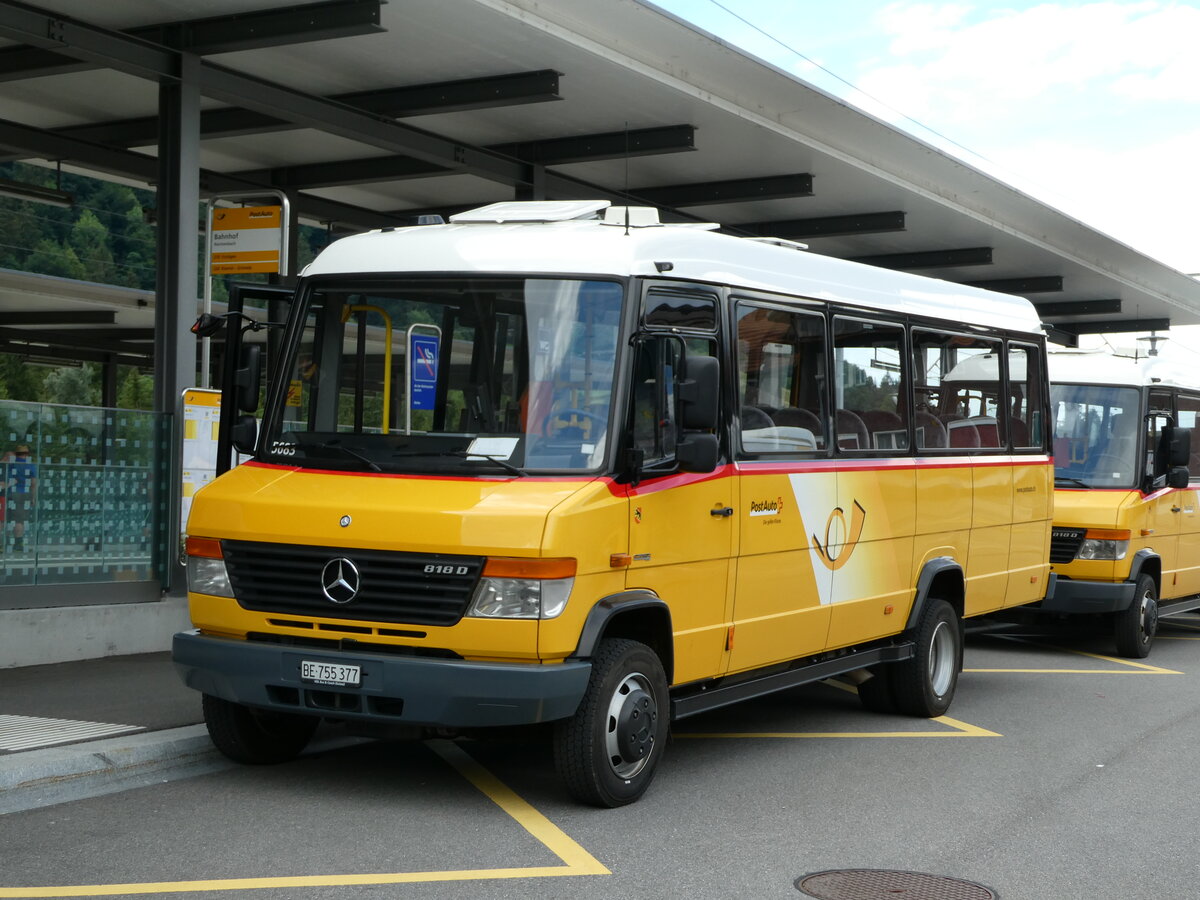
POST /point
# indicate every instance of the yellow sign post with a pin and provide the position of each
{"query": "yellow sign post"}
(245, 239)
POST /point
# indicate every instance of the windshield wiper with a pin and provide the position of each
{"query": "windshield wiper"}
(464, 454)
(498, 460)
(1074, 481)
(341, 448)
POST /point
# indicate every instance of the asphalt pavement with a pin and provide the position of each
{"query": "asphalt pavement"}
(81, 729)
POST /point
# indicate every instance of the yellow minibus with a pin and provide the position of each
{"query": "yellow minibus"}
(1126, 538)
(558, 462)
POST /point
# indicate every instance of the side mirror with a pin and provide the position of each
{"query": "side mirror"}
(247, 378)
(699, 392)
(1180, 448)
(1178, 477)
(208, 325)
(244, 434)
(697, 453)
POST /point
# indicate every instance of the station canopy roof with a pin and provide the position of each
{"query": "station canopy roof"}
(370, 113)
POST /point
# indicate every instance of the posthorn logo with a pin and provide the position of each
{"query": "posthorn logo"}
(340, 580)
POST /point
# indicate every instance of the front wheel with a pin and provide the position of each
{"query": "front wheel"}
(924, 685)
(256, 736)
(1137, 625)
(607, 752)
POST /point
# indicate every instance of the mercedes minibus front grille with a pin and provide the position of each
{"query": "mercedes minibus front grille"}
(1065, 543)
(379, 585)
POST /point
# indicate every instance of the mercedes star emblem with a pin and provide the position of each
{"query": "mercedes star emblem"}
(340, 580)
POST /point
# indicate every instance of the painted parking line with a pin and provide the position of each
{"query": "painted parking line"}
(1182, 626)
(956, 728)
(576, 860)
(1127, 666)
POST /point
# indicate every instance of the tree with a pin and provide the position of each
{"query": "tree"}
(73, 385)
(89, 240)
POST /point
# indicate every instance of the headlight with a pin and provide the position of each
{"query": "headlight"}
(520, 598)
(523, 588)
(206, 571)
(1092, 548)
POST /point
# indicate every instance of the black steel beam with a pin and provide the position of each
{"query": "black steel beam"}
(1057, 336)
(414, 100)
(826, 226)
(398, 168)
(774, 187)
(76, 354)
(1079, 308)
(1120, 326)
(59, 317)
(89, 340)
(608, 145)
(930, 259)
(143, 59)
(1039, 284)
(130, 164)
(216, 34)
(91, 337)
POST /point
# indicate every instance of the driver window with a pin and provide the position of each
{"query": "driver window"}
(653, 410)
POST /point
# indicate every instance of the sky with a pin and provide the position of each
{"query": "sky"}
(1091, 107)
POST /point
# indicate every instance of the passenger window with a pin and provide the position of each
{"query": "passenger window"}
(957, 392)
(1187, 411)
(869, 413)
(781, 364)
(1025, 407)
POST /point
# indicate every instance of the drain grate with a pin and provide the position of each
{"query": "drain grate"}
(882, 884)
(29, 733)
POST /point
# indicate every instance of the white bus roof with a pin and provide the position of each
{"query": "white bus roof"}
(1102, 367)
(541, 238)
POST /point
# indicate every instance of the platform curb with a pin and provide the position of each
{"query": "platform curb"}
(32, 779)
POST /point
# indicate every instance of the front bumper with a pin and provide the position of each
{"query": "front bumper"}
(449, 693)
(1070, 596)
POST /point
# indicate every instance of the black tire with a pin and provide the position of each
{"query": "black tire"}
(607, 752)
(1136, 626)
(924, 685)
(875, 693)
(256, 736)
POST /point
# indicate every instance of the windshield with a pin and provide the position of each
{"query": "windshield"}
(487, 376)
(1095, 435)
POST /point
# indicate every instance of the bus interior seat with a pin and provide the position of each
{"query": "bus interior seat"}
(851, 432)
(930, 432)
(962, 433)
(1018, 432)
(799, 418)
(886, 428)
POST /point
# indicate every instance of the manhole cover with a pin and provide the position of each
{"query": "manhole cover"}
(881, 884)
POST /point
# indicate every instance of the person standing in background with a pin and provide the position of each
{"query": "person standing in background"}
(20, 492)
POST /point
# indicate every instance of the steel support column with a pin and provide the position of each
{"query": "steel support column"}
(175, 297)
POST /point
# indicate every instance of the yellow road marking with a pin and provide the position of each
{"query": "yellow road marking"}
(960, 729)
(577, 860)
(1132, 668)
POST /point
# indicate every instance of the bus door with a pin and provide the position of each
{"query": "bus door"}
(681, 532)
(867, 540)
(1161, 524)
(1187, 409)
(787, 486)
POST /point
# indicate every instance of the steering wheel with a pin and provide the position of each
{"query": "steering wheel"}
(567, 413)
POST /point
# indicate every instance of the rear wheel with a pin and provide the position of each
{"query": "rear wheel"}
(1137, 625)
(607, 752)
(924, 685)
(256, 736)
